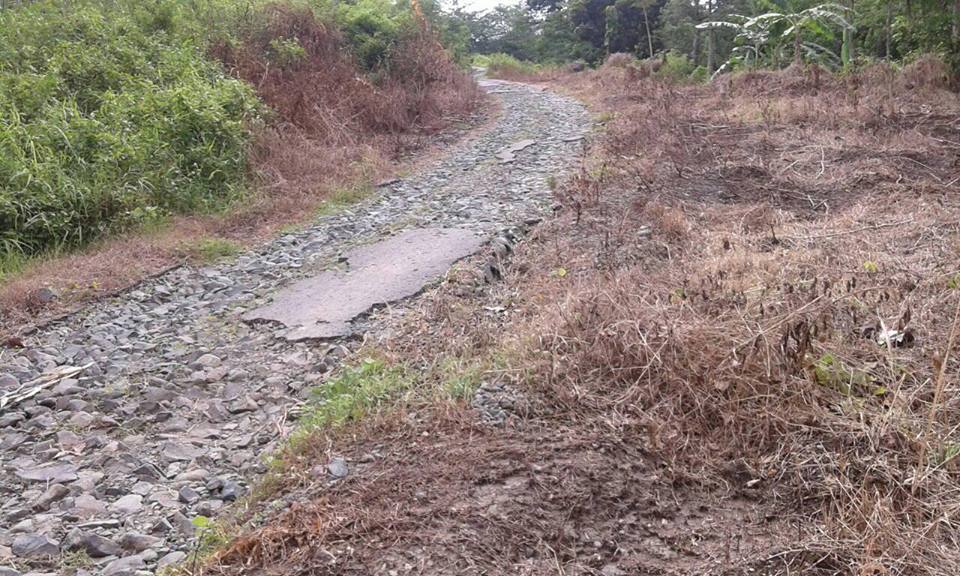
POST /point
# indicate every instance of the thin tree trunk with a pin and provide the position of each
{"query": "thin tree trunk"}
(711, 51)
(646, 23)
(796, 45)
(888, 29)
(956, 23)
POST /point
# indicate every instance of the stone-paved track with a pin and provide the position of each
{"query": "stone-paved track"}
(182, 399)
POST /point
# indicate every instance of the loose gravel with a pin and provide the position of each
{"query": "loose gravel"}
(179, 399)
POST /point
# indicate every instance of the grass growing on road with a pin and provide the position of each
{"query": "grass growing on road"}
(359, 390)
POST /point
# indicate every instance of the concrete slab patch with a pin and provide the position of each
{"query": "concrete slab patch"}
(324, 305)
(508, 154)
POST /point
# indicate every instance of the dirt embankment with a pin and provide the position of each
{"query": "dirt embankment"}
(733, 350)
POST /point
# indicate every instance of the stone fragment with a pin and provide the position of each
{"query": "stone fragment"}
(171, 559)
(94, 545)
(53, 494)
(35, 546)
(188, 495)
(338, 468)
(137, 542)
(124, 566)
(129, 504)
(48, 473)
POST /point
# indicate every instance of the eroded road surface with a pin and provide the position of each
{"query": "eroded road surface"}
(128, 420)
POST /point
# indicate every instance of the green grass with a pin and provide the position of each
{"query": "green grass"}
(506, 65)
(359, 390)
(111, 116)
(343, 198)
(211, 249)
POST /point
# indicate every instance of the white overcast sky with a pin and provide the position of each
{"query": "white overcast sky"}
(478, 5)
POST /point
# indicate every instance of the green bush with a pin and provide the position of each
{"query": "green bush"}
(372, 28)
(506, 65)
(677, 67)
(108, 117)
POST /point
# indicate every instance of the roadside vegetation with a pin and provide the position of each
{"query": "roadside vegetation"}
(173, 123)
(741, 328)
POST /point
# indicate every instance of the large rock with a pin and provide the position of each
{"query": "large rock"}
(94, 545)
(129, 504)
(323, 306)
(59, 472)
(35, 546)
(53, 494)
(124, 566)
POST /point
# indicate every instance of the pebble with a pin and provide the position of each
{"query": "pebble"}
(338, 468)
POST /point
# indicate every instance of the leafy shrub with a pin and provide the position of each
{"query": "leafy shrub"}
(676, 67)
(506, 66)
(372, 28)
(105, 117)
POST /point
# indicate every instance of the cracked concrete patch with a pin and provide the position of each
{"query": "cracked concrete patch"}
(509, 154)
(323, 306)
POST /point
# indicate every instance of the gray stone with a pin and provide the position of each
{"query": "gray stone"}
(48, 473)
(207, 361)
(124, 566)
(34, 546)
(53, 494)
(230, 491)
(129, 504)
(8, 382)
(182, 524)
(86, 506)
(188, 495)
(137, 542)
(209, 507)
(171, 559)
(94, 545)
(47, 295)
(338, 468)
(11, 419)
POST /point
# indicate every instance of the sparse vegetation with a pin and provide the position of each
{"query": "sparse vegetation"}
(743, 316)
(208, 250)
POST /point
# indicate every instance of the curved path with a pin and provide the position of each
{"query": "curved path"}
(179, 398)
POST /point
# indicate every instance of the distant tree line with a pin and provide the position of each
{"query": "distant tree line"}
(711, 33)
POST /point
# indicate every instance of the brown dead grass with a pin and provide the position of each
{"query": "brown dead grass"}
(333, 129)
(731, 254)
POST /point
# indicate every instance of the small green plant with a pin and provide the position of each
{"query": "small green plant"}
(343, 197)
(211, 536)
(212, 249)
(953, 283)
(871, 267)
(357, 391)
(287, 52)
(831, 372)
(460, 379)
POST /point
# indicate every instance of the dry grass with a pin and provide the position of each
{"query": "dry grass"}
(706, 387)
(796, 218)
